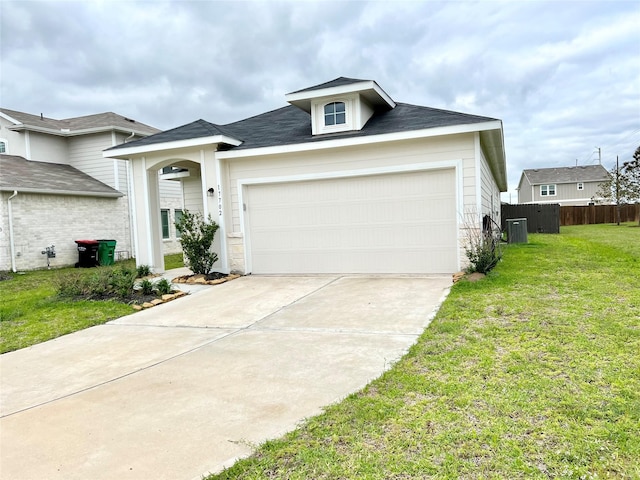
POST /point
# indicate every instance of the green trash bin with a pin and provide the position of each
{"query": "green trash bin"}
(106, 252)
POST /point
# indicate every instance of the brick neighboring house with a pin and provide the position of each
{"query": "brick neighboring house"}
(56, 187)
(562, 185)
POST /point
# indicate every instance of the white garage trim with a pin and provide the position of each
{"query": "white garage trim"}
(457, 165)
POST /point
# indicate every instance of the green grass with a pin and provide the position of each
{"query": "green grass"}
(173, 261)
(532, 372)
(31, 312)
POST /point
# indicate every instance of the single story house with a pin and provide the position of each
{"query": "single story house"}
(56, 187)
(342, 180)
(563, 185)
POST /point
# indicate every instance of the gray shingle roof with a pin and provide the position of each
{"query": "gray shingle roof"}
(99, 120)
(18, 173)
(198, 129)
(587, 173)
(290, 125)
(338, 82)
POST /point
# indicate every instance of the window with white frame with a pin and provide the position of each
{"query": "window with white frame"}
(164, 218)
(580, 186)
(3, 145)
(335, 113)
(547, 190)
(178, 217)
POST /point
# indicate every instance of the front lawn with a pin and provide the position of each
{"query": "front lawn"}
(31, 312)
(533, 372)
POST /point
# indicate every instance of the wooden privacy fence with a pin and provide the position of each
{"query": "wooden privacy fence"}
(541, 218)
(587, 215)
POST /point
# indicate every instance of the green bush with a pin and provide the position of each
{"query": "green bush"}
(146, 286)
(197, 238)
(483, 253)
(99, 282)
(123, 281)
(163, 286)
(143, 271)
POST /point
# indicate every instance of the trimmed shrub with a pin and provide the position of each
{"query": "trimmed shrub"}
(197, 236)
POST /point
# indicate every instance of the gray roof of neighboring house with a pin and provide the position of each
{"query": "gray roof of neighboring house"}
(87, 122)
(22, 175)
(291, 125)
(587, 173)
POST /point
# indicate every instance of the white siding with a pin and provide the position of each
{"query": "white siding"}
(490, 193)
(15, 140)
(349, 159)
(48, 148)
(566, 194)
(85, 153)
(458, 147)
(192, 191)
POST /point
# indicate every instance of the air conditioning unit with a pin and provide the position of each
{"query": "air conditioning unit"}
(517, 230)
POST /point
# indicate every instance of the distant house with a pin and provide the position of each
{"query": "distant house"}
(563, 185)
(342, 180)
(56, 187)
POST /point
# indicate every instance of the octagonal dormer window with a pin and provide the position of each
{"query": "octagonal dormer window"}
(335, 114)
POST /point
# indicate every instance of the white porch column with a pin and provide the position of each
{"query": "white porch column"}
(147, 215)
(212, 204)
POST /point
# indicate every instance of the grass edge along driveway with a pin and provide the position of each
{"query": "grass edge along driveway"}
(533, 372)
(31, 312)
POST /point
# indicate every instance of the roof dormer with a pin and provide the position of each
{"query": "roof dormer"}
(341, 105)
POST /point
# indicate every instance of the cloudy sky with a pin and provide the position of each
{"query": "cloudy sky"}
(563, 76)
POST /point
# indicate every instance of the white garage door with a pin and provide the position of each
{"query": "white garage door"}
(392, 223)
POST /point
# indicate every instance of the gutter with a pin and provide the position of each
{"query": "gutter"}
(62, 132)
(75, 193)
(11, 237)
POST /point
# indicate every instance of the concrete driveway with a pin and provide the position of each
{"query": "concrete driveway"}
(186, 388)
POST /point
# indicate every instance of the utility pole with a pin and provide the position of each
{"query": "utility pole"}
(599, 155)
(617, 190)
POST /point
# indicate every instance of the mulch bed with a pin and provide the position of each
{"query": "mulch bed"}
(214, 278)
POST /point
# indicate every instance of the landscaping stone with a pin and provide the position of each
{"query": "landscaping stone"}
(147, 305)
(202, 279)
(157, 301)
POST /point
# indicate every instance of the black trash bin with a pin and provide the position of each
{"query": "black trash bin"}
(87, 253)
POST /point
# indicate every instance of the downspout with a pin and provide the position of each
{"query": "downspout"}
(11, 239)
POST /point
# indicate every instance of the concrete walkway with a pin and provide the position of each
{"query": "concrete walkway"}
(187, 387)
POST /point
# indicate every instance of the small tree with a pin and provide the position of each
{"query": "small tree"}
(631, 170)
(197, 237)
(623, 185)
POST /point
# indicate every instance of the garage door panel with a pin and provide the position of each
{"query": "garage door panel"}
(395, 223)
